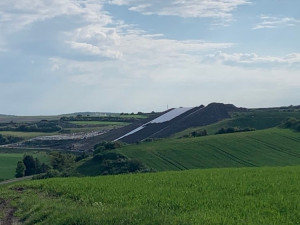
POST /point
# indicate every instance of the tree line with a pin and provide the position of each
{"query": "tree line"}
(58, 163)
(4, 140)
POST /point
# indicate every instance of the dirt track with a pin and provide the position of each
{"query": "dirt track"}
(8, 213)
(7, 216)
(15, 180)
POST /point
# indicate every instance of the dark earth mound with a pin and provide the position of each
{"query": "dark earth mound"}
(198, 116)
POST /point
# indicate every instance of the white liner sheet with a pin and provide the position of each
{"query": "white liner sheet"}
(163, 118)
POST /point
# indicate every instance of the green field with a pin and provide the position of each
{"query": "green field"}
(26, 135)
(135, 116)
(102, 123)
(8, 162)
(270, 147)
(249, 196)
(23, 119)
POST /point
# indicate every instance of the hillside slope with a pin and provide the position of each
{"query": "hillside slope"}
(191, 117)
(258, 119)
(271, 147)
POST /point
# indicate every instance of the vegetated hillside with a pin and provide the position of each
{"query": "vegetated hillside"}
(271, 147)
(254, 118)
(251, 196)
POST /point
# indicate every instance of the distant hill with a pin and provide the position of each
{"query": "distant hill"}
(176, 122)
(270, 147)
(91, 114)
(25, 119)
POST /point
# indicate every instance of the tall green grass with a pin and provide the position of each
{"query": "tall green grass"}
(252, 196)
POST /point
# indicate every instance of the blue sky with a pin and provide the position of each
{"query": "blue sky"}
(63, 56)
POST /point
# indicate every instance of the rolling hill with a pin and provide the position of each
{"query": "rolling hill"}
(271, 147)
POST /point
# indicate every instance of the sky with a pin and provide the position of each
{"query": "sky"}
(63, 56)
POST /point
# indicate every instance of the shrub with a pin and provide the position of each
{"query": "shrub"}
(105, 145)
(233, 130)
(60, 161)
(115, 163)
(49, 174)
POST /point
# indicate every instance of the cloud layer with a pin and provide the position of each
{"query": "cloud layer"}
(254, 59)
(268, 22)
(184, 8)
(73, 55)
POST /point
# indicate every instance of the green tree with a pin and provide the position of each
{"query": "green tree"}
(30, 165)
(20, 170)
(40, 167)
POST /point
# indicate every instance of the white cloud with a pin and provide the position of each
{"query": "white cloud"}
(100, 35)
(174, 84)
(276, 22)
(109, 60)
(96, 40)
(184, 8)
(16, 14)
(254, 59)
(120, 2)
(132, 45)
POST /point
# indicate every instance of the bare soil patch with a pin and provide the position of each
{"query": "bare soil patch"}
(7, 216)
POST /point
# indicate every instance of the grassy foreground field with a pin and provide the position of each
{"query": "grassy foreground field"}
(8, 163)
(270, 147)
(207, 197)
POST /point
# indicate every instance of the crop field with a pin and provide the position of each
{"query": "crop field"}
(270, 147)
(134, 116)
(8, 163)
(23, 119)
(210, 129)
(25, 135)
(102, 123)
(251, 196)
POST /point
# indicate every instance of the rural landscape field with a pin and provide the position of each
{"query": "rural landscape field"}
(242, 166)
(147, 112)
